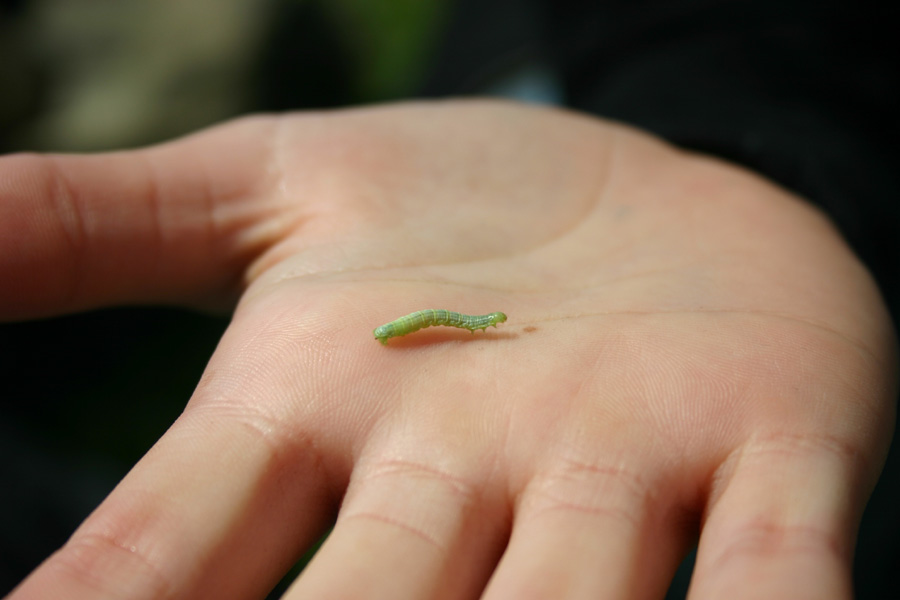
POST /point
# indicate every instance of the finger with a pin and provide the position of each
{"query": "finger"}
(784, 525)
(211, 511)
(590, 530)
(408, 529)
(224, 503)
(171, 223)
(214, 510)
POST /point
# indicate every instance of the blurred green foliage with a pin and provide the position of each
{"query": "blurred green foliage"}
(82, 76)
(391, 41)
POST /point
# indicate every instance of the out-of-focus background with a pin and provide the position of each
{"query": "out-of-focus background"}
(801, 91)
(99, 74)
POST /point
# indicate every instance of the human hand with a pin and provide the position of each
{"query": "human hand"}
(690, 350)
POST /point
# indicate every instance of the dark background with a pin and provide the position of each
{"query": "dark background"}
(802, 92)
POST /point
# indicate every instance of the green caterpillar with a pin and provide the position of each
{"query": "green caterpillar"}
(431, 316)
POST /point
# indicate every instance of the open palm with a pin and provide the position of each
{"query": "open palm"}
(690, 351)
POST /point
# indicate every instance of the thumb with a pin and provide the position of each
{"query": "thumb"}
(172, 223)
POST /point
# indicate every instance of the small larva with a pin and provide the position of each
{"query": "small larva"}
(435, 316)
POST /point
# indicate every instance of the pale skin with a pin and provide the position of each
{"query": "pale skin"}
(690, 351)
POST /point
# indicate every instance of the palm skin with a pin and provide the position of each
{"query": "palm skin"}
(690, 351)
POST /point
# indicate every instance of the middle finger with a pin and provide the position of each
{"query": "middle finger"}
(416, 523)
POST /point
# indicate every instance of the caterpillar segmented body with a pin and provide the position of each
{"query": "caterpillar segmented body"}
(435, 316)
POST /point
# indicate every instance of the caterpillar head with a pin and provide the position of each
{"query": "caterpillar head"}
(384, 332)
